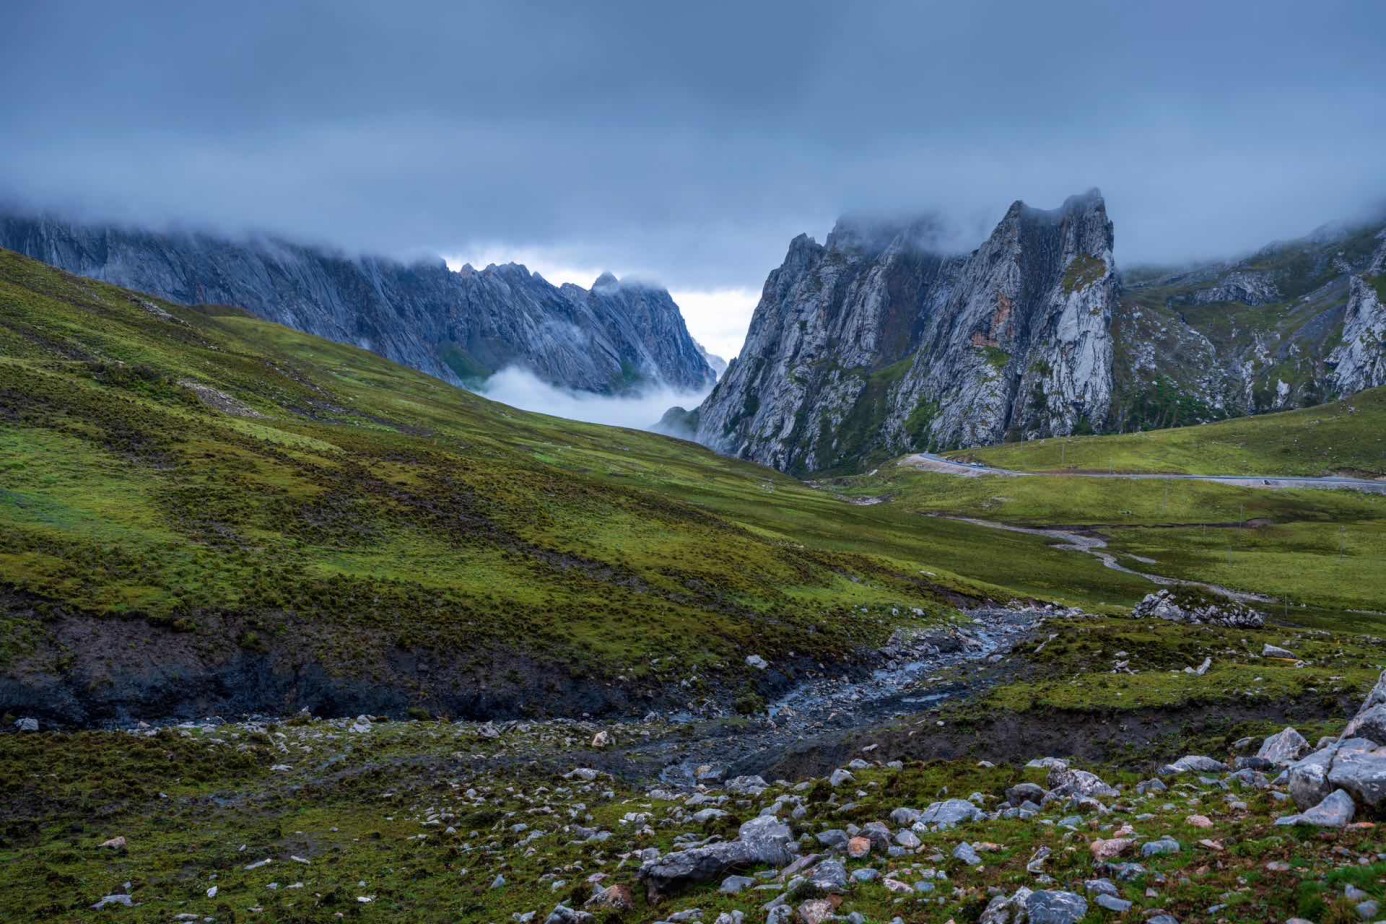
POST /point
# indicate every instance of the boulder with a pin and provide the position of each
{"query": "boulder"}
(756, 661)
(761, 841)
(830, 876)
(1275, 651)
(562, 914)
(967, 854)
(950, 812)
(1308, 777)
(1283, 748)
(1035, 907)
(1187, 606)
(616, 897)
(1363, 774)
(816, 911)
(1369, 723)
(1068, 782)
(1194, 763)
(29, 725)
(746, 786)
(1335, 811)
(840, 777)
(1020, 793)
(1161, 846)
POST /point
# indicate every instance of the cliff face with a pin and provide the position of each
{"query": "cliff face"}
(877, 343)
(1295, 324)
(460, 326)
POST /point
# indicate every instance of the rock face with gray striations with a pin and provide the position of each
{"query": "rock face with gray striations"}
(880, 341)
(459, 326)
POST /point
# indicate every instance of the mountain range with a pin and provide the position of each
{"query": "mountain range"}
(459, 326)
(880, 342)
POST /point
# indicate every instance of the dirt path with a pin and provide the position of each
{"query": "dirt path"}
(929, 462)
(1096, 546)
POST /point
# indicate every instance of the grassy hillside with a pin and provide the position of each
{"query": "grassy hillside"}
(1345, 436)
(201, 508)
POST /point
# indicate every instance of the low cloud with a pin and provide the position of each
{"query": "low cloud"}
(520, 388)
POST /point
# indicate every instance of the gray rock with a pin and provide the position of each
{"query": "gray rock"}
(1195, 763)
(950, 812)
(734, 884)
(840, 777)
(1308, 777)
(111, 901)
(1035, 907)
(1069, 782)
(756, 661)
(562, 914)
(1369, 723)
(1363, 774)
(746, 786)
(1197, 609)
(1151, 786)
(833, 837)
(1022, 792)
(761, 841)
(829, 876)
(1160, 847)
(1283, 748)
(1368, 909)
(1275, 651)
(1335, 811)
(30, 725)
(904, 816)
(967, 854)
(1112, 903)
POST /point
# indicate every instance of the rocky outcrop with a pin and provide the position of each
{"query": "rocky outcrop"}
(459, 326)
(1188, 606)
(1359, 362)
(879, 342)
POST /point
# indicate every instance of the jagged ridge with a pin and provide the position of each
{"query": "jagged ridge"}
(459, 326)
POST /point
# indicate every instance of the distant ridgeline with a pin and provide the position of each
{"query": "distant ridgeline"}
(459, 326)
(881, 342)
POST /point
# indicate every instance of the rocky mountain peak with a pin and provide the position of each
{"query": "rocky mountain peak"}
(900, 345)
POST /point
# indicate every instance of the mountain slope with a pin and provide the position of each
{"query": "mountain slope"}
(201, 511)
(1295, 324)
(460, 326)
(877, 342)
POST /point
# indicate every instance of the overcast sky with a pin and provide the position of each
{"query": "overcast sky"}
(687, 143)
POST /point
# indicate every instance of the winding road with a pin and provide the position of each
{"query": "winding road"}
(929, 462)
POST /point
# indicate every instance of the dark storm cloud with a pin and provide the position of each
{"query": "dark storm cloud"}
(691, 141)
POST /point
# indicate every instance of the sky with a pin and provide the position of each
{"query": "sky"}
(686, 144)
